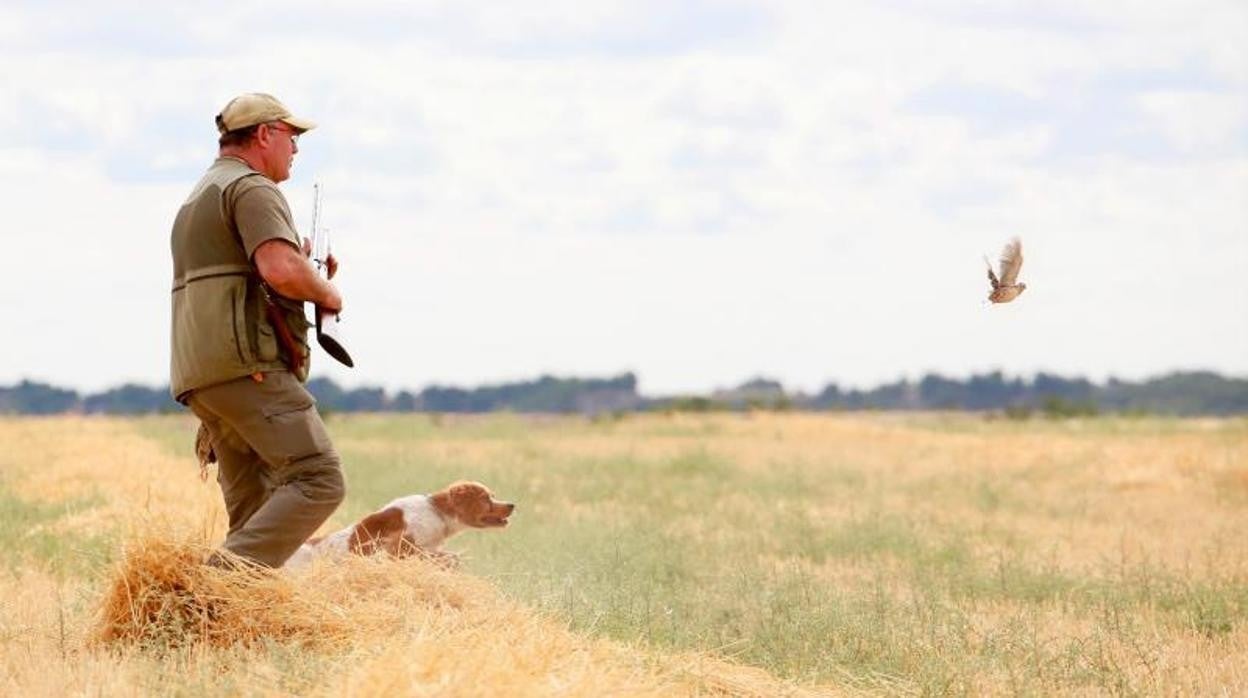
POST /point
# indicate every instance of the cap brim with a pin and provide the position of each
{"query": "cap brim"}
(301, 124)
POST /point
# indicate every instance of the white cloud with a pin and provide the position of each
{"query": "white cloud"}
(697, 192)
(1201, 122)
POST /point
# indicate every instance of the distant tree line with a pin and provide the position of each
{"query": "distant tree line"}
(1186, 393)
(1189, 393)
(546, 394)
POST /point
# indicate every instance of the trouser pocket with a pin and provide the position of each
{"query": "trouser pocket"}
(294, 430)
(276, 417)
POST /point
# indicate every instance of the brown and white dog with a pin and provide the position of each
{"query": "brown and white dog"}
(414, 525)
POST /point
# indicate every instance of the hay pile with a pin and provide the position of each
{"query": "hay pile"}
(163, 595)
(404, 627)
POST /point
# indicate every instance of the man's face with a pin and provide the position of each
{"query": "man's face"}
(278, 145)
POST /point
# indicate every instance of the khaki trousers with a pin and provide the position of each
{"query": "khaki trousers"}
(278, 471)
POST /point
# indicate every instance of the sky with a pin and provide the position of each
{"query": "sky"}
(699, 192)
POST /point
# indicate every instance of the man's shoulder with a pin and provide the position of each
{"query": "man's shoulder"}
(231, 177)
(237, 173)
(256, 187)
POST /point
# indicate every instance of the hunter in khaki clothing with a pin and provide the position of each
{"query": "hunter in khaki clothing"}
(240, 348)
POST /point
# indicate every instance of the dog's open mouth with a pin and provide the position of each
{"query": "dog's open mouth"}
(494, 520)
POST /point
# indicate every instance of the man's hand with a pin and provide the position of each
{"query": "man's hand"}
(331, 262)
(288, 272)
(332, 302)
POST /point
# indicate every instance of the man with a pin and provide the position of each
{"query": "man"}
(240, 339)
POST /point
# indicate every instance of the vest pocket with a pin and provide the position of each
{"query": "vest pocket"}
(266, 340)
(213, 339)
(302, 334)
(270, 345)
(239, 317)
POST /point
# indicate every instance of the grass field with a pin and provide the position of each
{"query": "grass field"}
(899, 554)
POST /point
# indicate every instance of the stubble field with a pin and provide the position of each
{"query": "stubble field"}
(756, 554)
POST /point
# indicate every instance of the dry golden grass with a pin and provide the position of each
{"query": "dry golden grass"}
(928, 553)
(883, 553)
(418, 629)
(419, 636)
(128, 478)
(158, 621)
(1089, 495)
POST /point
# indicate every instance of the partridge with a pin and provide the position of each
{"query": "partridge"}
(1007, 288)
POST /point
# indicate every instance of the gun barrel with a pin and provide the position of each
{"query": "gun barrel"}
(320, 236)
(328, 329)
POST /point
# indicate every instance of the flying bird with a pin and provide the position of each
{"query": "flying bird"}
(1006, 288)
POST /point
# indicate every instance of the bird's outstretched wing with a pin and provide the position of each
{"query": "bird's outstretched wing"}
(1011, 261)
(992, 277)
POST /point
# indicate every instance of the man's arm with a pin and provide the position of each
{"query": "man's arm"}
(287, 271)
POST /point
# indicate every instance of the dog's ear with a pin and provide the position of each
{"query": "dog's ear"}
(462, 500)
(467, 494)
(449, 498)
(382, 530)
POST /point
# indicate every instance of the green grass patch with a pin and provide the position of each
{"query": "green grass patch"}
(26, 533)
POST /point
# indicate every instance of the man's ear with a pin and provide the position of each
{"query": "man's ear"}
(264, 135)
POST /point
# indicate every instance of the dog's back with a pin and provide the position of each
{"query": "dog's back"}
(415, 524)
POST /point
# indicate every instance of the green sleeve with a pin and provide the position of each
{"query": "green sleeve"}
(261, 214)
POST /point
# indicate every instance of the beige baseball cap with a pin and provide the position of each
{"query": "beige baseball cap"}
(254, 108)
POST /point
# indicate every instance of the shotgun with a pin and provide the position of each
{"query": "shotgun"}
(328, 323)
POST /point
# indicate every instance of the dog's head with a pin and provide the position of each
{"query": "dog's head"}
(472, 504)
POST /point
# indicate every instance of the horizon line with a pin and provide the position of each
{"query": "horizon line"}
(758, 377)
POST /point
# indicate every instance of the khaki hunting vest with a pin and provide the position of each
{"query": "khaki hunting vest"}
(220, 331)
